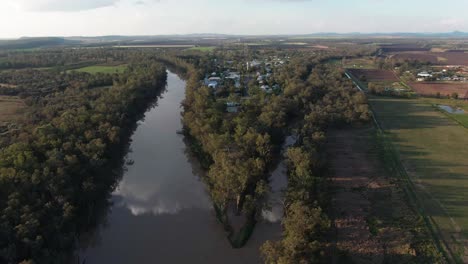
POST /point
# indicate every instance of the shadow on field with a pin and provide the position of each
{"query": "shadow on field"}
(442, 180)
(407, 114)
(433, 150)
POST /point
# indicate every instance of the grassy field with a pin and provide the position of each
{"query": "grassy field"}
(433, 151)
(102, 69)
(203, 49)
(355, 63)
(461, 118)
(156, 46)
(359, 63)
(10, 107)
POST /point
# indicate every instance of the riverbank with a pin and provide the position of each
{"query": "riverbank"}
(70, 141)
(161, 205)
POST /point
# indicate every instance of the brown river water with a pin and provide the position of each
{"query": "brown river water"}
(161, 212)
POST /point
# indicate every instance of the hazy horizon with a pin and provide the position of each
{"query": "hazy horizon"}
(29, 18)
(356, 34)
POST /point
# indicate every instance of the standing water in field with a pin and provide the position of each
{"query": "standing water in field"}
(451, 110)
(161, 211)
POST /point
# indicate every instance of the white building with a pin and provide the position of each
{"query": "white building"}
(213, 85)
(266, 88)
(424, 74)
(214, 79)
(232, 107)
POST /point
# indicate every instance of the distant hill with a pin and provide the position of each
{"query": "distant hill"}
(455, 34)
(199, 39)
(31, 43)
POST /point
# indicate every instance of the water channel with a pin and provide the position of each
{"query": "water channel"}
(161, 212)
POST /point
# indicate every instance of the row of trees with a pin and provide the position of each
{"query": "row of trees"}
(62, 163)
(325, 99)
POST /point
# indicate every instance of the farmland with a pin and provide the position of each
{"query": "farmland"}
(156, 46)
(432, 150)
(440, 58)
(372, 75)
(441, 88)
(203, 49)
(371, 216)
(357, 63)
(369, 79)
(423, 57)
(103, 69)
(461, 118)
(9, 108)
(402, 47)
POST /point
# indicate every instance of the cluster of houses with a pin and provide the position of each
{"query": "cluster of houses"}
(267, 67)
(261, 71)
(216, 81)
(439, 76)
(262, 81)
(269, 63)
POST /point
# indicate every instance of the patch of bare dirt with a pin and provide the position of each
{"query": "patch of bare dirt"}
(365, 203)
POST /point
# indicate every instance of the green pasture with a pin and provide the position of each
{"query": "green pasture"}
(102, 69)
(433, 149)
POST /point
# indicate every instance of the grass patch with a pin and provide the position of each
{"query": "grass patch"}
(354, 63)
(421, 225)
(9, 106)
(102, 69)
(428, 150)
(359, 63)
(462, 119)
(203, 49)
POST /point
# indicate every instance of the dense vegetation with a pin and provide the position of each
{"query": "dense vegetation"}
(31, 43)
(59, 166)
(331, 101)
(238, 149)
(59, 59)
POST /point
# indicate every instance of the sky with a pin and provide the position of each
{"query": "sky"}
(251, 17)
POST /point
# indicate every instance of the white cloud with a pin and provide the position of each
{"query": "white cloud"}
(62, 5)
(154, 17)
(452, 22)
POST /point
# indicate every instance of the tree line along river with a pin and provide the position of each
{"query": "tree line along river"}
(160, 210)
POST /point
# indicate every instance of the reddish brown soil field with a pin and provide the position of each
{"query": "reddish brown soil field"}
(445, 89)
(422, 57)
(403, 47)
(374, 75)
(441, 58)
(457, 51)
(454, 58)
